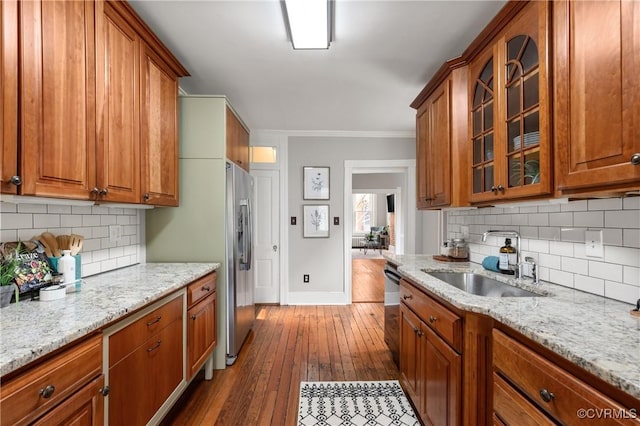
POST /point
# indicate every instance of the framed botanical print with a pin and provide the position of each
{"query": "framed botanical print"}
(316, 221)
(315, 183)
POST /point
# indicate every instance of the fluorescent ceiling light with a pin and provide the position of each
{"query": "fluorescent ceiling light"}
(308, 23)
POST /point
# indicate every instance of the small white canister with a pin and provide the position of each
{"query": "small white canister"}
(67, 267)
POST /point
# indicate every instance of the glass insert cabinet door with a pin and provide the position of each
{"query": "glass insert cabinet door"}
(509, 113)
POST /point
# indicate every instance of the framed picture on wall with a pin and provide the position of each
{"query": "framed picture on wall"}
(315, 183)
(316, 221)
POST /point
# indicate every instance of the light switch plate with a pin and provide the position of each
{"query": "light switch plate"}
(593, 244)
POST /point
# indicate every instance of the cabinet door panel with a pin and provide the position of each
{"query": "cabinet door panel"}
(439, 147)
(422, 161)
(58, 98)
(8, 95)
(118, 144)
(201, 333)
(409, 351)
(159, 131)
(598, 90)
(442, 380)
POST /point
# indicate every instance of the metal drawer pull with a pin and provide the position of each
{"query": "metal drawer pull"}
(150, 323)
(154, 347)
(635, 159)
(415, 330)
(407, 296)
(104, 391)
(206, 288)
(420, 333)
(546, 395)
(432, 319)
(47, 391)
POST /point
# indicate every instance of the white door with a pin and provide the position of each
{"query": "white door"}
(267, 232)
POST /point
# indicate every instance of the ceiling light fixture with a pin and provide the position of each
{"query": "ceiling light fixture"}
(309, 23)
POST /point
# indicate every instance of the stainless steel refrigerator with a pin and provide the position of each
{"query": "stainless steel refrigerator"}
(239, 240)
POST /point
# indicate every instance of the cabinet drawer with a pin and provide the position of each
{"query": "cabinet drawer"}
(129, 338)
(142, 381)
(201, 288)
(536, 376)
(23, 397)
(512, 408)
(446, 323)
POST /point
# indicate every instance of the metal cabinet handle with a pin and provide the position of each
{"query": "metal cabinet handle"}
(494, 189)
(415, 330)
(206, 288)
(47, 391)
(500, 188)
(104, 391)
(407, 296)
(432, 319)
(95, 190)
(150, 323)
(104, 191)
(15, 180)
(546, 395)
(420, 333)
(635, 159)
(154, 347)
(146, 197)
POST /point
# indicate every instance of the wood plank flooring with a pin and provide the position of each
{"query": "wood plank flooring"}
(367, 280)
(289, 344)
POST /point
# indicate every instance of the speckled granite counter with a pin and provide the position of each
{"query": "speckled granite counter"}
(596, 333)
(31, 329)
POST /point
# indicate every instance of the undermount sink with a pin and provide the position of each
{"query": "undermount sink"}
(480, 285)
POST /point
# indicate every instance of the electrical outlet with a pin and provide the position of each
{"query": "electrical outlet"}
(593, 244)
(305, 278)
(115, 233)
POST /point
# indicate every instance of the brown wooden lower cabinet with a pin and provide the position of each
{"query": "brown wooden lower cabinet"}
(528, 388)
(83, 408)
(201, 333)
(430, 369)
(144, 379)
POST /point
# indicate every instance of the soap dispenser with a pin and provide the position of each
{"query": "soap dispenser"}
(507, 257)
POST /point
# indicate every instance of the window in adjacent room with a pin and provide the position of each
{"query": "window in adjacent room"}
(363, 212)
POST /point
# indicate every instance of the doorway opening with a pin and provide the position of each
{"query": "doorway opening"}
(377, 200)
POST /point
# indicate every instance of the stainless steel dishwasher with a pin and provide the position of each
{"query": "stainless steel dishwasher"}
(392, 310)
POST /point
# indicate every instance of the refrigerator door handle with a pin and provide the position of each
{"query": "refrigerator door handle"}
(249, 233)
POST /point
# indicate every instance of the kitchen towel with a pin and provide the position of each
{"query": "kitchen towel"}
(491, 263)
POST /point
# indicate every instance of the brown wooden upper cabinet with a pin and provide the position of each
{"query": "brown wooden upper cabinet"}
(82, 130)
(597, 92)
(509, 111)
(440, 136)
(237, 140)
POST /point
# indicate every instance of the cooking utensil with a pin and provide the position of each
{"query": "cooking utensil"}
(52, 243)
(75, 244)
(43, 243)
(64, 241)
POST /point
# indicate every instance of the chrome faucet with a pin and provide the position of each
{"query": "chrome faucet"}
(512, 234)
(534, 269)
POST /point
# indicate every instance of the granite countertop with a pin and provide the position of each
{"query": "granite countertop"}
(596, 333)
(31, 329)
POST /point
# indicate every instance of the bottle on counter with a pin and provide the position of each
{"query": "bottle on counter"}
(507, 256)
(67, 267)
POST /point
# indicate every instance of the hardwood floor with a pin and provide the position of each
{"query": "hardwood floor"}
(289, 344)
(367, 280)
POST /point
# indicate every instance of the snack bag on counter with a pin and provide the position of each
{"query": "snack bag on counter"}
(34, 270)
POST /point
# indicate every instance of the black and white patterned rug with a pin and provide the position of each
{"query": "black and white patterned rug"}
(354, 404)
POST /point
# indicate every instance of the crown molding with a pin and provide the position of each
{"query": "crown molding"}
(340, 133)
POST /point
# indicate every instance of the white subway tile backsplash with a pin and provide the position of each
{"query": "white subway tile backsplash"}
(589, 284)
(631, 275)
(561, 277)
(607, 271)
(16, 220)
(622, 255)
(58, 209)
(561, 219)
(631, 238)
(623, 219)
(554, 234)
(624, 292)
(605, 204)
(588, 219)
(576, 266)
(24, 221)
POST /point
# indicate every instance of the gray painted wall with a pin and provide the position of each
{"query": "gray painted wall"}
(322, 258)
